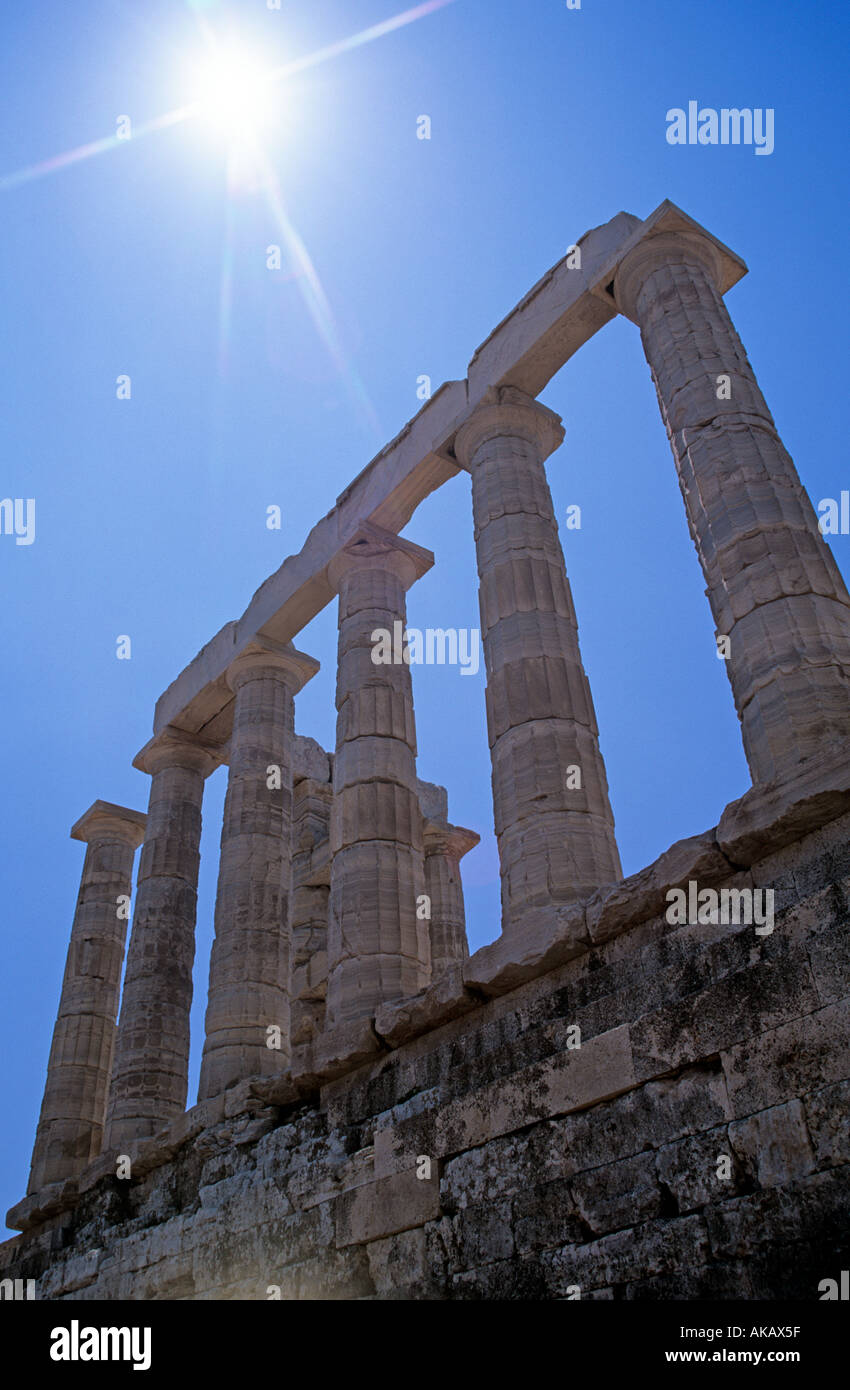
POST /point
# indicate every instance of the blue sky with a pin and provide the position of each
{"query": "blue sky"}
(150, 513)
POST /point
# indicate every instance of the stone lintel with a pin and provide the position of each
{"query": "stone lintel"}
(104, 819)
(552, 322)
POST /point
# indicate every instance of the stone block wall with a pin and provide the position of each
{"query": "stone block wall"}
(487, 1157)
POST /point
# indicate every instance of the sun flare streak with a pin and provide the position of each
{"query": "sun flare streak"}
(313, 294)
(198, 108)
(231, 95)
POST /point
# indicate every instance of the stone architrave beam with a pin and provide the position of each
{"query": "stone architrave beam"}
(558, 315)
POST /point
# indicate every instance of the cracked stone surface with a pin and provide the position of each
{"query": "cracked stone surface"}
(772, 582)
(464, 1148)
(73, 1110)
(249, 987)
(378, 946)
(556, 839)
(150, 1071)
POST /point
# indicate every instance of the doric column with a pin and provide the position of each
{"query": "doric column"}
(73, 1111)
(150, 1073)
(247, 1020)
(311, 869)
(773, 585)
(550, 794)
(378, 949)
(445, 846)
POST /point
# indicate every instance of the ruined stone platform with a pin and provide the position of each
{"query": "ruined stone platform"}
(549, 1170)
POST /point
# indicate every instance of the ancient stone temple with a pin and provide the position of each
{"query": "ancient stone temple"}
(639, 1090)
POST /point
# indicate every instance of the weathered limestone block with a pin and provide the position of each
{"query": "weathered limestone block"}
(644, 894)
(654, 1248)
(557, 1166)
(629, 1196)
(405, 1135)
(401, 1267)
(760, 1229)
(64, 1281)
(49, 1202)
(601, 1068)
(445, 999)
(310, 762)
(561, 849)
(250, 959)
(378, 948)
(73, 1111)
(396, 1203)
(690, 1171)
(773, 584)
(764, 994)
(434, 801)
(150, 1071)
(343, 1048)
(550, 937)
(480, 1235)
(828, 1123)
(774, 1144)
(766, 819)
(788, 1060)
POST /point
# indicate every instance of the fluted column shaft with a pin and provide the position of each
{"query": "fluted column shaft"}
(150, 1072)
(554, 826)
(311, 816)
(73, 1111)
(247, 1019)
(378, 949)
(445, 846)
(773, 585)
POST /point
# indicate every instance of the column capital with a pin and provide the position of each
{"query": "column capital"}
(278, 659)
(371, 548)
(178, 748)
(454, 840)
(104, 820)
(665, 248)
(505, 410)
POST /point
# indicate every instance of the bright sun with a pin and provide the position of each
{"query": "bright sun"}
(231, 93)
